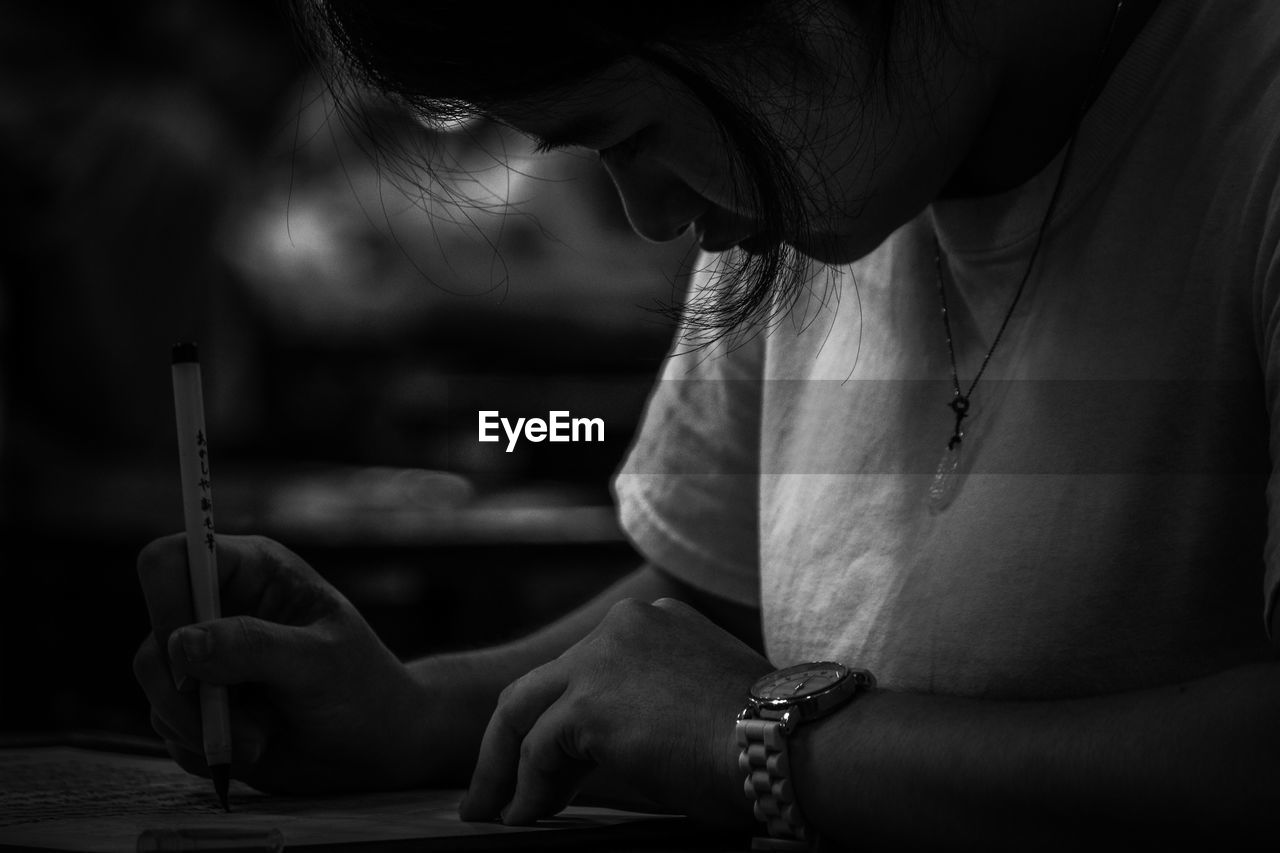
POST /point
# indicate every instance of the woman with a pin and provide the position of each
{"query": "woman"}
(975, 395)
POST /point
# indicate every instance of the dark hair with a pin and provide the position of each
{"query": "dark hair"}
(408, 52)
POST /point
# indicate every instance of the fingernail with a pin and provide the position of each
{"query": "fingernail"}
(197, 644)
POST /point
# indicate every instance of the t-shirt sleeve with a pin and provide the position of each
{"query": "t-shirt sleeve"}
(688, 491)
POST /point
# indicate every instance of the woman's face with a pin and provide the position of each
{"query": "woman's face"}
(866, 159)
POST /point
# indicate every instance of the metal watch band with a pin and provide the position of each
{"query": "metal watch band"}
(768, 782)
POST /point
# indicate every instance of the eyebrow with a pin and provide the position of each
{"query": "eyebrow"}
(576, 131)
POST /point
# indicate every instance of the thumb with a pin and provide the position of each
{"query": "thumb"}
(241, 649)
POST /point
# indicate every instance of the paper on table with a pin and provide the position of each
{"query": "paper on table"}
(68, 798)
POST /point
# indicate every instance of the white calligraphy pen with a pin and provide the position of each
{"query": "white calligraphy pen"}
(202, 558)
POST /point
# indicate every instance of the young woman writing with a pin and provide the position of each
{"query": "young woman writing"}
(975, 396)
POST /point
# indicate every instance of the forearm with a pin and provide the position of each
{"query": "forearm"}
(1201, 756)
(460, 689)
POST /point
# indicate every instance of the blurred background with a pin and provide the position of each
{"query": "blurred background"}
(173, 171)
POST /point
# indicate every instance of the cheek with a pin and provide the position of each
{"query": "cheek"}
(700, 158)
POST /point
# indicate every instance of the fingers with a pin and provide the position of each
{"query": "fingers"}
(178, 710)
(175, 716)
(166, 581)
(166, 587)
(256, 576)
(550, 770)
(531, 759)
(245, 649)
(502, 749)
(554, 725)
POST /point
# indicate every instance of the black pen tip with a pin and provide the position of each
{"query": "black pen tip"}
(221, 774)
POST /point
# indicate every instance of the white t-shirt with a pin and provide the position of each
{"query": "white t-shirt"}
(1115, 520)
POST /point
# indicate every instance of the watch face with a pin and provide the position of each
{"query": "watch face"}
(797, 682)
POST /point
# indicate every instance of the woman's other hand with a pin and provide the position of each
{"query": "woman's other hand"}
(650, 697)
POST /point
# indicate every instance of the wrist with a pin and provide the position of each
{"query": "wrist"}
(780, 705)
(828, 770)
(444, 719)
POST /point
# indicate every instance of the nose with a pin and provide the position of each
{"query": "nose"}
(658, 204)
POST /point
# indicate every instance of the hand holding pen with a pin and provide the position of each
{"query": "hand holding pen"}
(319, 704)
(322, 705)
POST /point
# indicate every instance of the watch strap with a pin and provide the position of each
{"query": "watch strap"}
(764, 761)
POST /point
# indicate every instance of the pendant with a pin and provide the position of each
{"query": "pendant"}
(947, 478)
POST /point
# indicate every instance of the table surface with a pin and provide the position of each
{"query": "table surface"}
(97, 793)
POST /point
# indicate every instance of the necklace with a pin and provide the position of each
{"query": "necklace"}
(947, 477)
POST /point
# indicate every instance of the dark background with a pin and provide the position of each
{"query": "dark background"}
(172, 172)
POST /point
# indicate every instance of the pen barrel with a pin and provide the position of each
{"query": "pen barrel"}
(215, 718)
(197, 490)
(202, 564)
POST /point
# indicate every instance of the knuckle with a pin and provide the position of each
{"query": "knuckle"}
(251, 639)
(264, 545)
(675, 606)
(510, 695)
(248, 554)
(327, 643)
(255, 550)
(628, 611)
(537, 755)
(627, 617)
(157, 556)
(505, 696)
(579, 704)
(626, 605)
(266, 553)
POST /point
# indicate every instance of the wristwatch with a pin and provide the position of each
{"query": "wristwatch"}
(776, 705)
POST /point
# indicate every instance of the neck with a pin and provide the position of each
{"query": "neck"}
(1055, 57)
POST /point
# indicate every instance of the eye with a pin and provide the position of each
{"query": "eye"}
(546, 146)
(622, 152)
